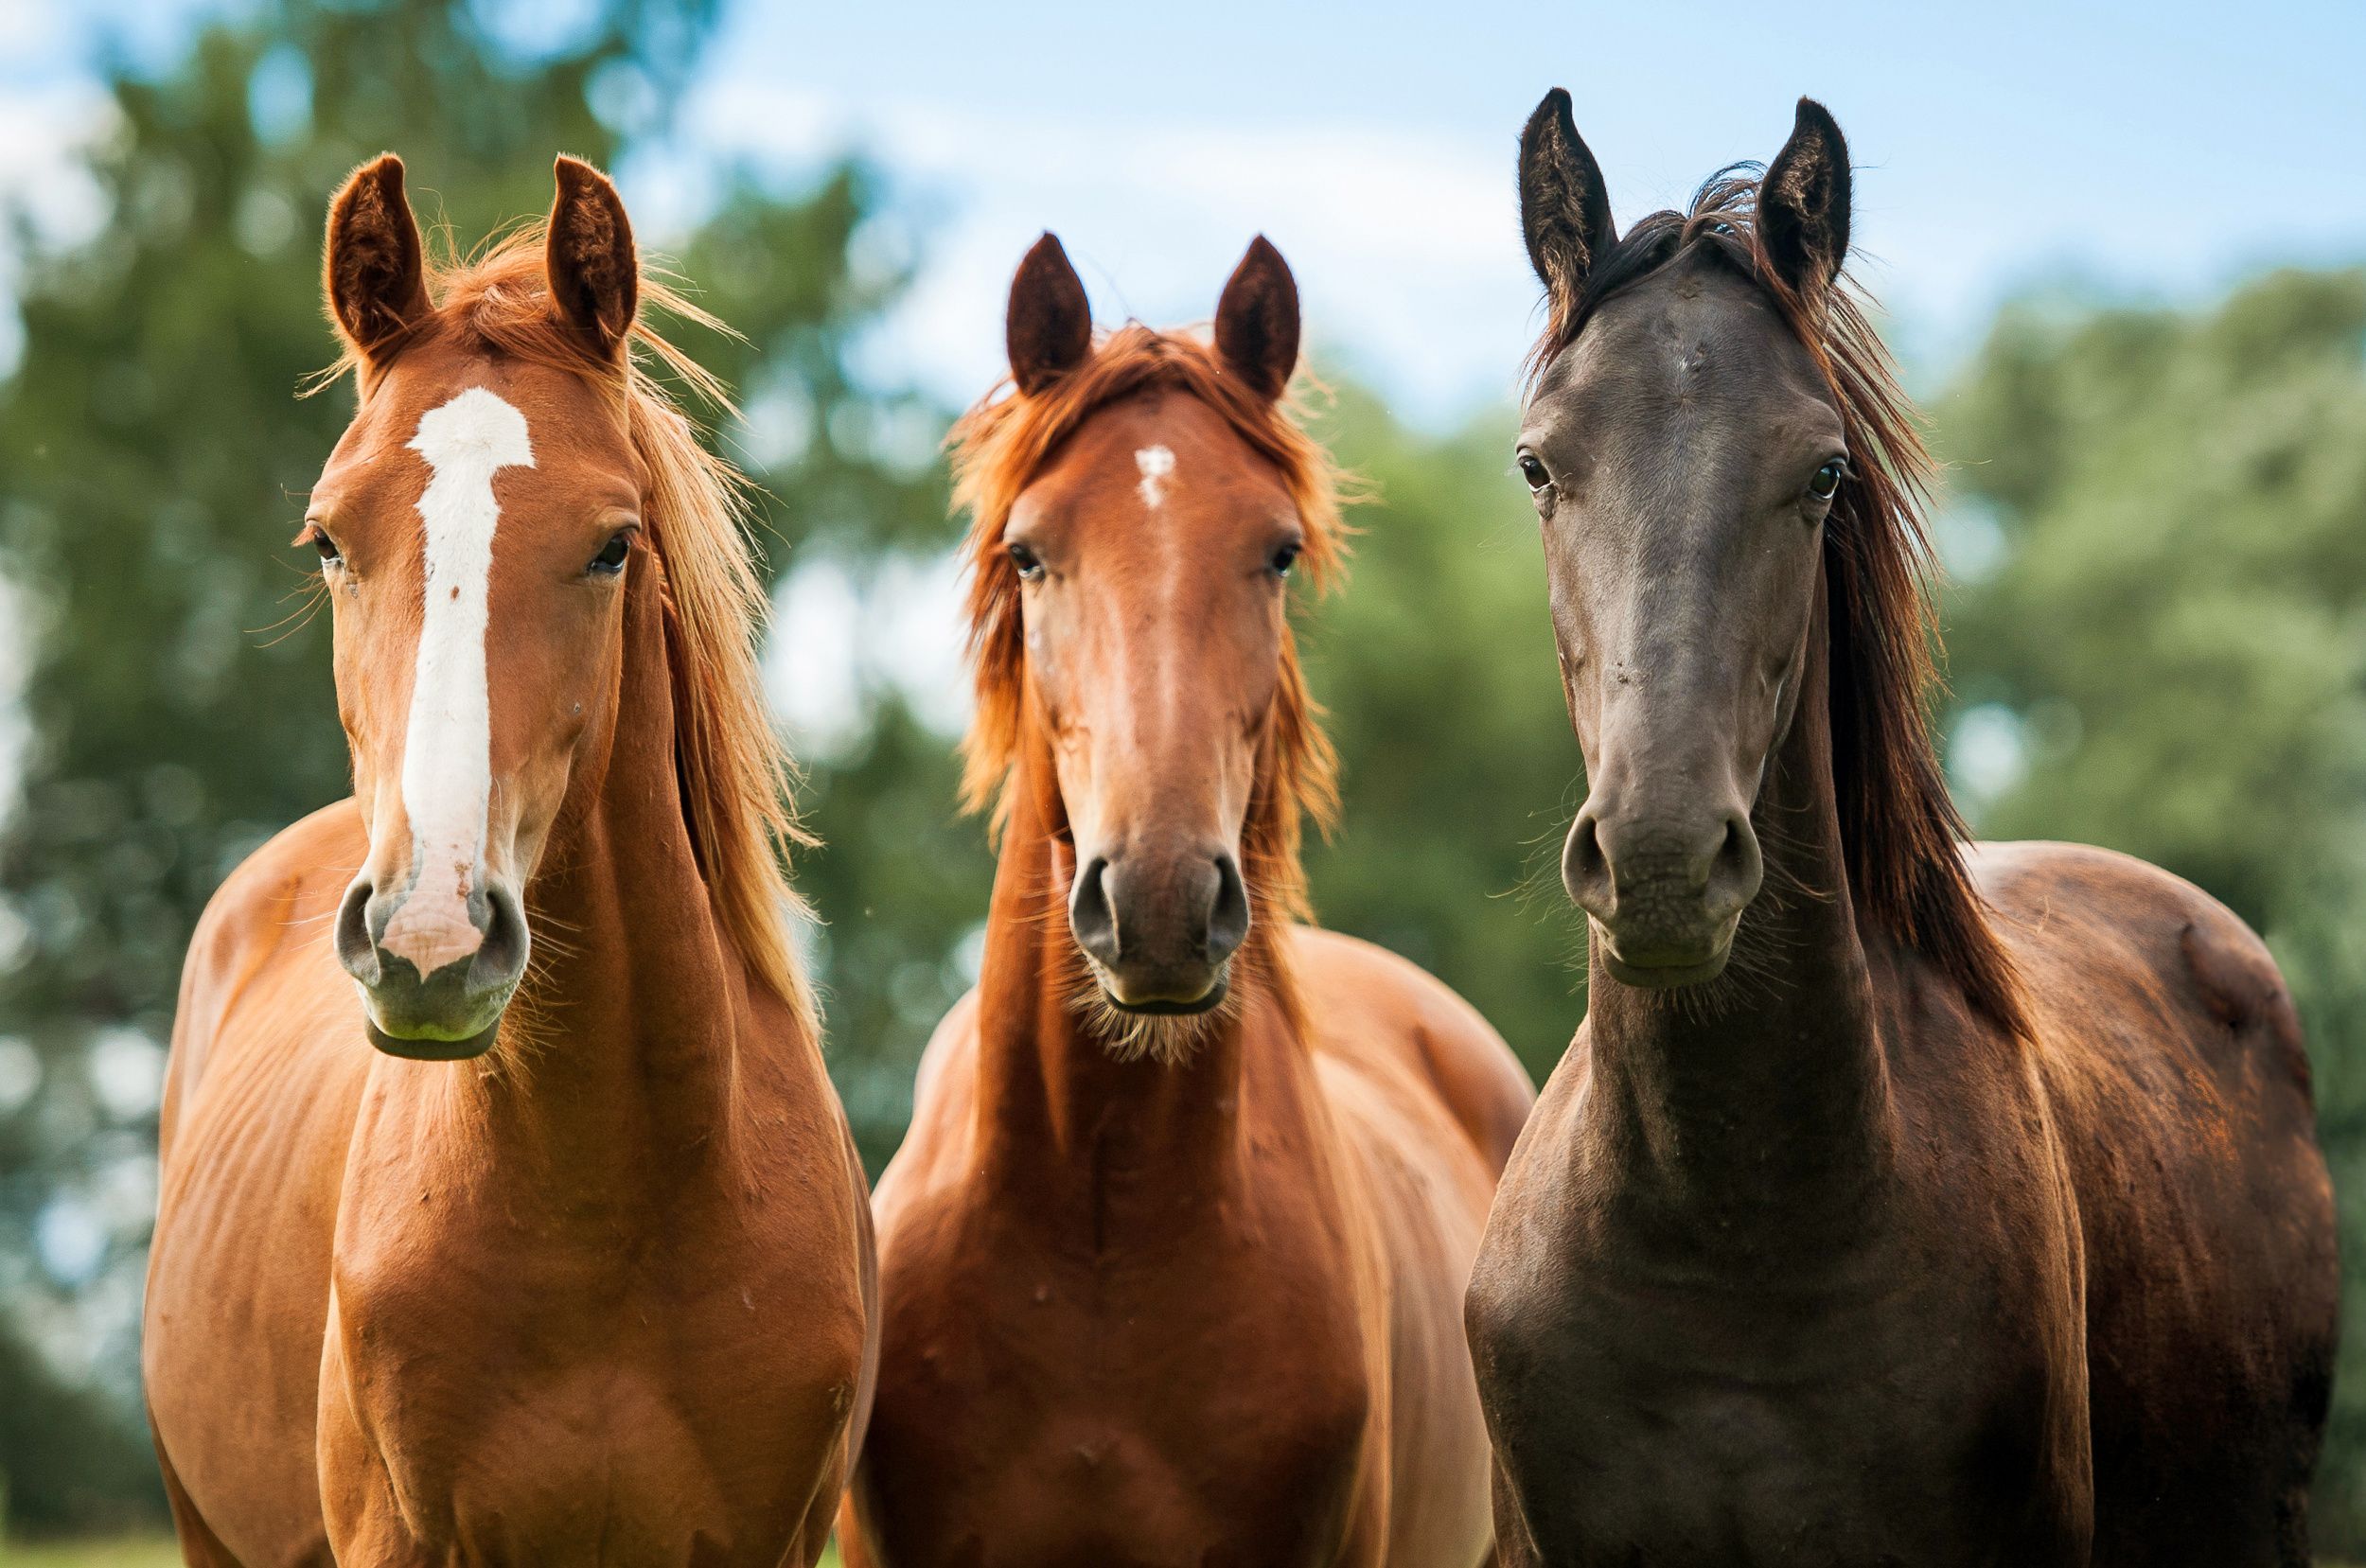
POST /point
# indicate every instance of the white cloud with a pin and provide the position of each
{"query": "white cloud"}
(1406, 247)
(43, 132)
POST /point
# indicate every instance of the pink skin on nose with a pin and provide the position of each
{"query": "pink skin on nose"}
(432, 929)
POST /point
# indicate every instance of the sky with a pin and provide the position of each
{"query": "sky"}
(2160, 151)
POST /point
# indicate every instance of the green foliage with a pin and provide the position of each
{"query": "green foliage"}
(2177, 638)
(1459, 768)
(854, 485)
(67, 1463)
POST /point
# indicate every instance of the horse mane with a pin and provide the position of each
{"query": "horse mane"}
(1901, 834)
(734, 772)
(1001, 444)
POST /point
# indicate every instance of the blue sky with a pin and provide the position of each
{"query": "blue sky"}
(2161, 150)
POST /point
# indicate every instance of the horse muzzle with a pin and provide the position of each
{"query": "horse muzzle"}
(433, 983)
(1665, 895)
(1159, 930)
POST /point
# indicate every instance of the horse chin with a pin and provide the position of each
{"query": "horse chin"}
(1156, 1029)
(1160, 1007)
(435, 1045)
(1665, 970)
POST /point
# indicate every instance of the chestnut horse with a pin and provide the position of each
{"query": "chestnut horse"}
(1888, 1208)
(1171, 1260)
(463, 1258)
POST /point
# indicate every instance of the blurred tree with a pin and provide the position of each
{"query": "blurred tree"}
(2162, 648)
(1458, 770)
(857, 493)
(152, 461)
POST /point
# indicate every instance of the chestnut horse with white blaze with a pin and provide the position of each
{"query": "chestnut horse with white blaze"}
(1895, 1204)
(1171, 1260)
(507, 1214)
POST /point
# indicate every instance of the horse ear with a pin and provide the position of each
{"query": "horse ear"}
(588, 259)
(1257, 320)
(374, 276)
(1050, 329)
(1564, 205)
(1803, 203)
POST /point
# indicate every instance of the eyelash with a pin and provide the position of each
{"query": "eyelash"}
(318, 538)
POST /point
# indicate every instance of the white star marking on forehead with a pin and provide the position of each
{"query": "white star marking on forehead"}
(1156, 464)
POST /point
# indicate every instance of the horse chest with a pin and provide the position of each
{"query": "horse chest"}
(1643, 1418)
(645, 1403)
(1198, 1407)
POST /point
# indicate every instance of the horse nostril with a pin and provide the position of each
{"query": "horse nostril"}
(356, 948)
(1227, 919)
(1734, 870)
(1586, 869)
(502, 957)
(1089, 915)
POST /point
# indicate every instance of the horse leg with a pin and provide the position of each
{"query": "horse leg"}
(200, 1546)
(1514, 1547)
(851, 1549)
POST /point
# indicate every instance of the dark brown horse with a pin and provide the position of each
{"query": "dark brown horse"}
(1888, 1208)
(1171, 1260)
(507, 1215)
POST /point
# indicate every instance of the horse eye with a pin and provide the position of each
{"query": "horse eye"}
(610, 561)
(330, 555)
(1533, 471)
(1283, 558)
(1825, 484)
(1024, 559)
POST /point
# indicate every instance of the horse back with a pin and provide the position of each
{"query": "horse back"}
(1387, 1016)
(265, 1071)
(2174, 1061)
(1429, 1101)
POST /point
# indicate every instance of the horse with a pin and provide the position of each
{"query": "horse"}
(507, 1214)
(1172, 1257)
(1896, 1202)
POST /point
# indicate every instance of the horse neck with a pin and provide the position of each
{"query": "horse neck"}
(1056, 1107)
(623, 1040)
(1764, 1096)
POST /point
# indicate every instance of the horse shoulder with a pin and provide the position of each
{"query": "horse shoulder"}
(256, 1115)
(1368, 1004)
(1430, 1099)
(945, 1090)
(2174, 1060)
(267, 914)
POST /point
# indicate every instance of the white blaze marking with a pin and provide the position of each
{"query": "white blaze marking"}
(1155, 463)
(447, 747)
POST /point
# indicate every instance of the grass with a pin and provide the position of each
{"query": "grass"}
(142, 1551)
(150, 1553)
